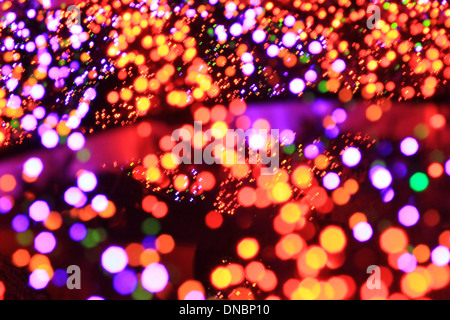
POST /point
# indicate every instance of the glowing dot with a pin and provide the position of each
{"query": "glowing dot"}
(6, 204)
(87, 181)
(221, 277)
(45, 242)
(75, 197)
(289, 39)
(273, 50)
(440, 256)
(78, 232)
(29, 122)
(393, 240)
(39, 210)
(362, 231)
(194, 295)
(315, 47)
(248, 69)
(248, 248)
(447, 167)
(407, 262)
(50, 139)
(408, 215)
(331, 180)
(351, 157)
(125, 282)
(257, 141)
(247, 57)
(155, 277)
(39, 279)
(259, 36)
(338, 65)
(380, 177)
(37, 92)
(114, 259)
(99, 203)
(333, 239)
(76, 141)
(311, 151)
(387, 195)
(409, 146)
(236, 29)
(281, 192)
(296, 85)
(339, 115)
(33, 167)
(287, 137)
(418, 181)
(289, 21)
(20, 223)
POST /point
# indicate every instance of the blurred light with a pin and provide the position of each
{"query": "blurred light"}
(256, 141)
(6, 204)
(236, 29)
(99, 203)
(362, 231)
(50, 139)
(59, 278)
(287, 137)
(273, 50)
(75, 197)
(289, 39)
(37, 92)
(409, 146)
(248, 69)
(29, 122)
(259, 36)
(315, 47)
(194, 295)
(310, 76)
(418, 181)
(155, 278)
(387, 195)
(408, 215)
(125, 282)
(33, 167)
(87, 181)
(296, 85)
(407, 262)
(78, 231)
(114, 259)
(440, 256)
(338, 66)
(447, 167)
(39, 279)
(331, 181)
(76, 141)
(339, 115)
(39, 210)
(45, 242)
(380, 177)
(20, 223)
(289, 21)
(351, 157)
(311, 151)
(248, 248)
